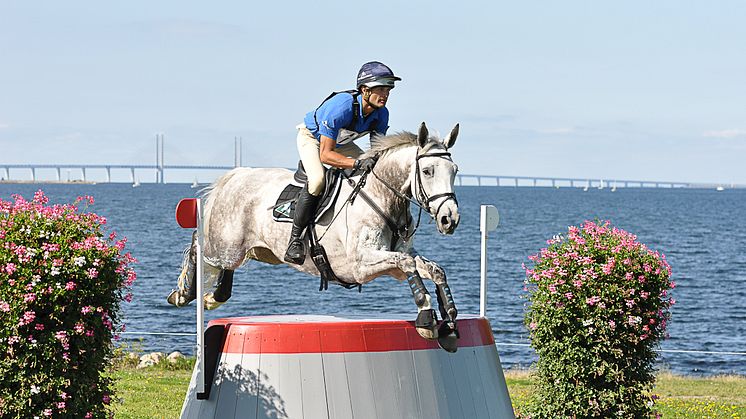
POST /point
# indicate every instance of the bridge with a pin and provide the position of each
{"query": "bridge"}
(159, 168)
(85, 169)
(557, 182)
(157, 171)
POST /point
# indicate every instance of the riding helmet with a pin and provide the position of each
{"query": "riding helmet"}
(374, 74)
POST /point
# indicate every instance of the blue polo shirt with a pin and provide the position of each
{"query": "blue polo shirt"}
(336, 113)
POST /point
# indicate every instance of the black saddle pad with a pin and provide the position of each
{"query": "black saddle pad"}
(284, 208)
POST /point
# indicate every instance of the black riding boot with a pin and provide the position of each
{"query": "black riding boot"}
(304, 209)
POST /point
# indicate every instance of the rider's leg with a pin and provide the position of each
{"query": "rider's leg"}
(308, 148)
(304, 210)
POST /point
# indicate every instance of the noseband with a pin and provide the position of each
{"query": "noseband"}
(422, 197)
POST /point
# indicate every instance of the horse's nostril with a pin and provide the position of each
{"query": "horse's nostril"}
(444, 220)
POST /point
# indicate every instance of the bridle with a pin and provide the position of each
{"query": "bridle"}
(423, 198)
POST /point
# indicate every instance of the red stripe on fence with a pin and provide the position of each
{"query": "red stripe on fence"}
(310, 334)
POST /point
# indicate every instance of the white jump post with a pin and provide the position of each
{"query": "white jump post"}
(489, 220)
(189, 215)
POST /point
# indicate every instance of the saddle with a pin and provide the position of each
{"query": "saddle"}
(284, 209)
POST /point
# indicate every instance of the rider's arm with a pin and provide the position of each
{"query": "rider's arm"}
(329, 156)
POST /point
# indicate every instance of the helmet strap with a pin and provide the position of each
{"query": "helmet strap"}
(367, 103)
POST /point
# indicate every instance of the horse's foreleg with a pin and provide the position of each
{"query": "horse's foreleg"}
(426, 322)
(434, 272)
(448, 330)
(402, 266)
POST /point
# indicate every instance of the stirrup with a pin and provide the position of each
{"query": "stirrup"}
(298, 260)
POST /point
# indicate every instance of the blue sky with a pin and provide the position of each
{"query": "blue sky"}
(635, 90)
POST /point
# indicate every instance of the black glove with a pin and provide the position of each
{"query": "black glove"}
(364, 165)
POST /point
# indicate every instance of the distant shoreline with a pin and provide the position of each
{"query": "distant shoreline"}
(82, 182)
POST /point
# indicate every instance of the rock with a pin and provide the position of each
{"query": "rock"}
(174, 357)
(151, 359)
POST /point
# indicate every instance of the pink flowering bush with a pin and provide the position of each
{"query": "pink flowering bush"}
(599, 304)
(61, 283)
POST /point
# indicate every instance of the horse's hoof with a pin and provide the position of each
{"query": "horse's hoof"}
(427, 324)
(211, 303)
(449, 343)
(429, 334)
(448, 337)
(176, 298)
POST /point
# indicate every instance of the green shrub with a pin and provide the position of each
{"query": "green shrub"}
(598, 309)
(61, 283)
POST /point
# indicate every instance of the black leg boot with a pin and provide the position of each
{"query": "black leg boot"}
(304, 210)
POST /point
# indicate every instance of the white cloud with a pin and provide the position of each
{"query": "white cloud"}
(726, 133)
(562, 130)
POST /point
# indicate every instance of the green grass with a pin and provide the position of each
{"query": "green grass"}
(158, 392)
(680, 396)
(150, 392)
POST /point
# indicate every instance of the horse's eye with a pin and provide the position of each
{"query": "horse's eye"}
(428, 171)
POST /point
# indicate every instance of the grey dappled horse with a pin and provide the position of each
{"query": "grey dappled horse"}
(362, 243)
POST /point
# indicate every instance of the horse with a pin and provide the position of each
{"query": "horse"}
(370, 238)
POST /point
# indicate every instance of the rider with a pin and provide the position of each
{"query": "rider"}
(326, 138)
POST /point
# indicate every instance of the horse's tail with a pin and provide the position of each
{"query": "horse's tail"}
(185, 262)
(208, 196)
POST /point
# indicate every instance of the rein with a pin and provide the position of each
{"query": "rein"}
(422, 201)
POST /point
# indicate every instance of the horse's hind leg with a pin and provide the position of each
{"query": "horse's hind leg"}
(187, 285)
(220, 280)
(217, 285)
(222, 291)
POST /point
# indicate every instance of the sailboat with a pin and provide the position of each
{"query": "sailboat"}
(600, 184)
(613, 188)
(195, 184)
(719, 188)
(587, 185)
(136, 183)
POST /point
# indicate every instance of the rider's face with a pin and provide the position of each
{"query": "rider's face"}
(378, 96)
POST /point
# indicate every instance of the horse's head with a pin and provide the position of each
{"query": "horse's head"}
(432, 179)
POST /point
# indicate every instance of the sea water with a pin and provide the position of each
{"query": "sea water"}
(701, 232)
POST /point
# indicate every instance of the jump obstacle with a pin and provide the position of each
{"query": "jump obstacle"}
(301, 366)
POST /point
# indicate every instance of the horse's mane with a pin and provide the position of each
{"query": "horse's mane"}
(381, 145)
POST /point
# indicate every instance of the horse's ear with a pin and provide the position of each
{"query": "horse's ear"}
(450, 140)
(422, 136)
